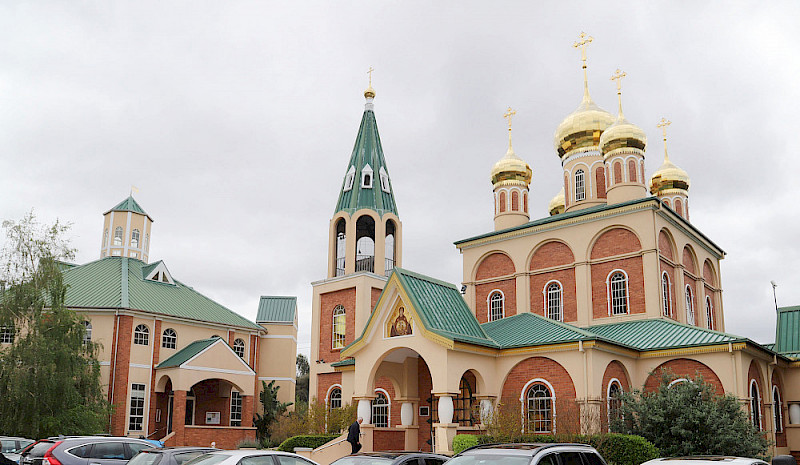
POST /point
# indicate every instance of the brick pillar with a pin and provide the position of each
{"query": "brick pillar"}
(120, 370)
(179, 416)
(247, 410)
(151, 422)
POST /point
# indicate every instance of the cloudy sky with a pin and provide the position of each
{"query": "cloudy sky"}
(236, 121)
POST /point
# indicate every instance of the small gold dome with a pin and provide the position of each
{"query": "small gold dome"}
(582, 127)
(370, 92)
(669, 176)
(621, 134)
(558, 203)
(511, 168)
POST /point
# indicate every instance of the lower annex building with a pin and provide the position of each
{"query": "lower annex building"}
(555, 314)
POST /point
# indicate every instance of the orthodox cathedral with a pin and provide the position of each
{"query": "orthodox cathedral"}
(554, 314)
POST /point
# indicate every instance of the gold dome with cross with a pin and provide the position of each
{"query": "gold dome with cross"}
(511, 167)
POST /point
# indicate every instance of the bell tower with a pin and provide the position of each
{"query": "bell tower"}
(126, 231)
(511, 178)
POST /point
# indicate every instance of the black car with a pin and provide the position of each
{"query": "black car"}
(169, 455)
(392, 458)
(529, 454)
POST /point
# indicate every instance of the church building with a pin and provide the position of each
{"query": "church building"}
(555, 313)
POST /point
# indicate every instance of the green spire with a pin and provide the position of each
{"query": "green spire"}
(129, 205)
(366, 182)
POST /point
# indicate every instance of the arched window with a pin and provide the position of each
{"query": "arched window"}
(118, 235)
(555, 302)
(463, 405)
(614, 402)
(777, 409)
(689, 306)
(341, 247)
(709, 313)
(348, 179)
(141, 335)
(600, 182)
(618, 293)
(580, 186)
(678, 207)
(169, 339)
(338, 327)
(539, 409)
(388, 248)
(380, 410)
(665, 295)
(7, 334)
(335, 398)
(135, 238)
(365, 244)
(631, 171)
(755, 405)
(496, 305)
(502, 202)
(238, 347)
(617, 173)
(525, 201)
(87, 331)
(105, 238)
(366, 177)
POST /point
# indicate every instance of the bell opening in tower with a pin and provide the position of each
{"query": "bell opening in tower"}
(341, 247)
(365, 244)
(389, 248)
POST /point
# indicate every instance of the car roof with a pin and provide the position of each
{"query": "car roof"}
(391, 454)
(181, 449)
(523, 449)
(706, 459)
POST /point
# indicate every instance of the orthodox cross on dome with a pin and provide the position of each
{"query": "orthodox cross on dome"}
(370, 92)
(663, 126)
(582, 42)
(508, 115)
(617, 76)
(371, 69)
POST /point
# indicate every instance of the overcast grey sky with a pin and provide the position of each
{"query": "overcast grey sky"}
(236, 121)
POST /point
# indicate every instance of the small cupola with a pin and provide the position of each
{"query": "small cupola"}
(126, 231)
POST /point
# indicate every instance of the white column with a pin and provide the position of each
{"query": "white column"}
(487, 410)
(445, 410)
(364, 409)
(406, 414)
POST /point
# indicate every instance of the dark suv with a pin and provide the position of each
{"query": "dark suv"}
(529, 454)
(84, 450)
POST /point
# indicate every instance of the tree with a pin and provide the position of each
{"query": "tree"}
(303, 370)
(690, 418)
(49, 376)
(273, 409)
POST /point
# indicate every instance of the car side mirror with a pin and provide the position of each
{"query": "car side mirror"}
(784, 460)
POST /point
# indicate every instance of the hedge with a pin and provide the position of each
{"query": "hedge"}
(312, 441)
(617, 449)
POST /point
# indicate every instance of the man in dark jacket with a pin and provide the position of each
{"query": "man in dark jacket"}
(354, 435)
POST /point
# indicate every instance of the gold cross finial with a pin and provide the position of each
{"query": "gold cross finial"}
(618, 75)
(582, 43)
(371, 69)
(663, 126)
(508, 115)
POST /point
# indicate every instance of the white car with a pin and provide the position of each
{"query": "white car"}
(250, 457)
(705, 460)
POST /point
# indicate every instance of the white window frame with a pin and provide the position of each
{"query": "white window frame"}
(608, 398)
(690, 315)
(87, 335)
(580, 185)
(523, 400)
(348, 179)
(666, 294)
(137, 408)
(365, 172)
(709, 313)
(329, 397)
(236, 408)
(777, 410)
(169, 341)
(239, 346)
(141, 335)
(388, 407)
(118, 236)
(105, 238)
(546, 294)
(7, 334)
(135, 236)
(385, 187)
(755, 404)
(489, 301)
(609, 292)
(338, 343)
(677, 381)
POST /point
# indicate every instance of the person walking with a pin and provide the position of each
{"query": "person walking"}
(354, 435)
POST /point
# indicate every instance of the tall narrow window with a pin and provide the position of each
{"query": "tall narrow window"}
(502, 202)
(7, 334)
(665, 295)
(87, 332)
(631, 171)
(169, 340)
(515, 201)
(335, 398)
(366, 177)
(236, 408)
(118, 235)
(463, 404)
(777, 409)
(384, 180)
(136, 417)
(349, 178)
(135, 238)
(238, 347)
(341, 247)
(141, 335)
(614, 402)
(496, 306)
(689, 306)
(539, 411)
(105, 238)
(618, 293)
(709, 313)
(580, 186)
(388, 249)
(338, 327)
(755, 405)
(365, 244)
(555, 302)
(380, 411)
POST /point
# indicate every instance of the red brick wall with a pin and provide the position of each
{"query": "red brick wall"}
(121, 369)
(388, 439)
(708, 274)
(208, 399)
(780, 438)
(641, 167)
(665, 245)
(615, 369)
(567, 418)
(494, 266)
(329, 301)
(376, 293)
(683, 368)
(567, 192)
(753, 373)
(551, 254)
(424, 388)
(568, 292)
(688, 261)
(325, 381)
(615, 241)
(482, 292)
(502, 202)
(698, 309)
(631, 171)
(634, 268)
(394, 407)
(600, 182)
(525, 201)
(225, 438)
(679, 207)
(617, 172)
(666, 202)
(671, 273)
(515, 201)
(151, 424)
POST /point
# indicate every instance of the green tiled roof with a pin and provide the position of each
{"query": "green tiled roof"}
(528, 329)
(129, 205)
(344, 363)
(367, 151)
(118, 282)
(276, 309)
(182, 356)
(787, 331)
(659, 333)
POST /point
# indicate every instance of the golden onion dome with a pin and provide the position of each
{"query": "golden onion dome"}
(582, 127)
(669, 176)
(370, 92)
(558, 204)
(511, 168)
(622, 134)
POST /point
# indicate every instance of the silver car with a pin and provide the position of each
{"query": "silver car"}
(84, 450)
(11, 446)
(250, 457)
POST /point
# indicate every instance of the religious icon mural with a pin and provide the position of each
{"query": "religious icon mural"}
(401, 326)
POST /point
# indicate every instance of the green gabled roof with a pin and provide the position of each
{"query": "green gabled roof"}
(129, 205)
(528, 329)
(344, 363)
(276, 309)
(661, 333)
(367, 151)
(118, 282)
(182, 356)
(787, 331)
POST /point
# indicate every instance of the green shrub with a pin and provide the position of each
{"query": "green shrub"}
(312, 441)
(464, 441)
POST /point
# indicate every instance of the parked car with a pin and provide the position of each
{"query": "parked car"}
(705, 460)
(84, 450)
(392, 458)
(169, 455)
(11, 446)
(529, 454)
(250, 457)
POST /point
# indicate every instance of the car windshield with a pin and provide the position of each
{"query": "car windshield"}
(208, 459)
(489, 459)
(145, 458)
(362, 460)
(8, 445)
